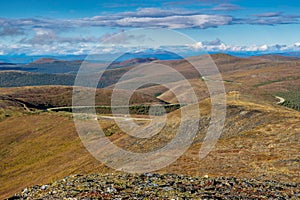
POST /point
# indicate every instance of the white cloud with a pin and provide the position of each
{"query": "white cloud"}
(297, 44)
(226, 7)
(173, 22)
(218, 45)
(144, 17)
(197, 46)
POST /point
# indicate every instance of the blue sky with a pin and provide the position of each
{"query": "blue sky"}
(36, 27)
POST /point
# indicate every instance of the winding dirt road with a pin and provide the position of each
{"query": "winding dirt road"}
(125, 118)
(281, 100)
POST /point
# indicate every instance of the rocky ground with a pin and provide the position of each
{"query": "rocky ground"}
(156, 186)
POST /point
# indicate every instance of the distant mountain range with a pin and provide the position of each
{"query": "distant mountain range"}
(25, 59)
(159, 55)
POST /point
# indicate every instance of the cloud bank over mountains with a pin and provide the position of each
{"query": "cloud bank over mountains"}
(45, 44)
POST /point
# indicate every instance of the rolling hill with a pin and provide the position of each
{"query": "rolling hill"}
(255, 143)
(43, 97)
(260, 138)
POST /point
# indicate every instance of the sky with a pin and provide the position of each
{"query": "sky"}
(56, 27)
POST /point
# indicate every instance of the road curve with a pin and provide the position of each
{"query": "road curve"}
(281, 100)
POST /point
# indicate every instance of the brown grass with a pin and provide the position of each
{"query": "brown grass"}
(37, 149)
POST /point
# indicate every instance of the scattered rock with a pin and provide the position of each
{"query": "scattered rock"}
(111, 190)
(167, 188)
(159, 186)
(25, 191)
(44, 187)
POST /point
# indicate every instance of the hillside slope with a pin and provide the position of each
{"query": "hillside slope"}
(260, 141)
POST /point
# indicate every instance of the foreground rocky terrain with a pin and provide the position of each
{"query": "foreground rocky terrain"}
(157, 186)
